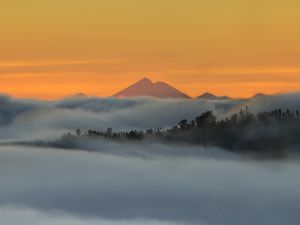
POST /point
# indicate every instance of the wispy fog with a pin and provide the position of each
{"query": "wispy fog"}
(27, 119)
(26, 216)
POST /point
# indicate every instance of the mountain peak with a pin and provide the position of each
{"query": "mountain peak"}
(259, 95)
(211, 96)
(145, 87)
(79, 95)
(207, 95)
(145, 80)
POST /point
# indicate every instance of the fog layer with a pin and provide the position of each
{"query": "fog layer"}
(28, 119)
(195, 189)
(137, 183)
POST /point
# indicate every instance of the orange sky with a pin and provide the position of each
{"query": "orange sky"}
(53, 48)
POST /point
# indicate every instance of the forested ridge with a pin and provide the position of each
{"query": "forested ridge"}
(270, 131)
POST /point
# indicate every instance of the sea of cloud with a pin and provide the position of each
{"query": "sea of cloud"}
(137, 183)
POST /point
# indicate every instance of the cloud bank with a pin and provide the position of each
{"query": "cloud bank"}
(184, 190)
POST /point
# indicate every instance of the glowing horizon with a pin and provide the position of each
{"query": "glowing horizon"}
(53, 49)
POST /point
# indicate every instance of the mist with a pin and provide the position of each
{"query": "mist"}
(22, 119)
(27, 119)
(26, 216)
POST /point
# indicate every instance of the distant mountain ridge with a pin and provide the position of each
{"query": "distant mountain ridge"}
(80, 95)
(145, 87)
(210, 96)
(259, 95)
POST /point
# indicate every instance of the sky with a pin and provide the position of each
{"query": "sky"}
(54, 48)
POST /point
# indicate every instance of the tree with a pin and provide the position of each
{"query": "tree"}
(206, 119)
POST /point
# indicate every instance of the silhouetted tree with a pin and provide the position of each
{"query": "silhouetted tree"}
(206, 119)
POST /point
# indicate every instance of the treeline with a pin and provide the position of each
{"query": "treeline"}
(266, 132)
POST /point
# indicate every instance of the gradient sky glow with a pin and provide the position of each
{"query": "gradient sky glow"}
(54, 48)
